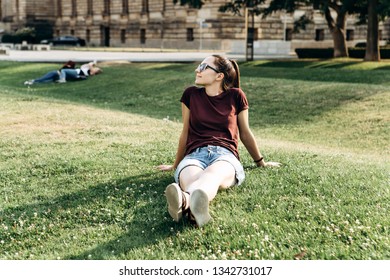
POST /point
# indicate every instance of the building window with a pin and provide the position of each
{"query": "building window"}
(72, 32)
(288, 34)
(74, 8)
(106, 11)
(253, 34)
(123, 36)
(380, 37)
(190, 34)
(105, 35)
(59, 8)
(350, 35)
(145, 6)
(320, 35)
(143, 36)
(90, 7)
(88, 35)
(125, 7)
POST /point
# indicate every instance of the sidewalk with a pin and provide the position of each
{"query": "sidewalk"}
(131, 56)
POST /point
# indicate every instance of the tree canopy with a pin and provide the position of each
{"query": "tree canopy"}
(367, 11)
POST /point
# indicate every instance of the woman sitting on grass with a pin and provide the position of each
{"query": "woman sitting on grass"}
(214, 116)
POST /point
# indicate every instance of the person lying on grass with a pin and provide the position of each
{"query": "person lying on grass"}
(68, 72)
(52, 76)
(214, 115)
(85, 70)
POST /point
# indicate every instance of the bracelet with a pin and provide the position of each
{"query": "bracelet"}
(256, 161)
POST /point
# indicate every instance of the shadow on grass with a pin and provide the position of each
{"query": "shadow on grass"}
(313, 64)
(319, 71)
(138, 208)
(358, 65)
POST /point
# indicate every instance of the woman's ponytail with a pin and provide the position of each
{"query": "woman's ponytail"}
(230, 70)
(236, 80)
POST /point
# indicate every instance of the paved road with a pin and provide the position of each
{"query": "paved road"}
(131, 56)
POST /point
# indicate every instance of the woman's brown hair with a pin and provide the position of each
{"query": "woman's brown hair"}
(230, 70)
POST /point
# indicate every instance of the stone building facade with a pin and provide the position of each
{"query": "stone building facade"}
(161, 24)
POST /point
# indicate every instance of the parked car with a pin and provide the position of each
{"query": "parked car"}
(361, 45)
(382, 44)
(65, 41)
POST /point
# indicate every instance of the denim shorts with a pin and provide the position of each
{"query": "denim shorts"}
(205, 156)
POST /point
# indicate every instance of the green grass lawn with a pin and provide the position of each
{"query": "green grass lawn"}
(78, 177)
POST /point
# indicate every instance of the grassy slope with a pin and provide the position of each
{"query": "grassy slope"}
(77, 177)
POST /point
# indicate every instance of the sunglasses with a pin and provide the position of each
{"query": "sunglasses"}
(204, 66)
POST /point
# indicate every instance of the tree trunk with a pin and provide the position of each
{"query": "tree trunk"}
(337, 29)
(340, 45)
(372, 47)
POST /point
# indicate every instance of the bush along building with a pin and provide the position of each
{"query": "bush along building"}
(164, 25)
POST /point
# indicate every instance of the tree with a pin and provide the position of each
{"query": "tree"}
(371, 12)
(372, 46)
(335, 24)
(376, 11)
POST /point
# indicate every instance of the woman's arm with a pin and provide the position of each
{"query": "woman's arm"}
(249, 140)
(182, 140)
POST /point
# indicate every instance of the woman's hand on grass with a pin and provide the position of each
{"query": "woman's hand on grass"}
(272, 164)
(165, 167)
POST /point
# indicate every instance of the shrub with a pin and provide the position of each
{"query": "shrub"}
(360, 52)
(314, 53)
(328, 53)
(24, 34)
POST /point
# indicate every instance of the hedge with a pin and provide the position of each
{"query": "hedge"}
(328, 53)
(314, 53)
(360, 53)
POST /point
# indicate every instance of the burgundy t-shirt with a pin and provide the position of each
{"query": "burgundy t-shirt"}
(213, 119)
